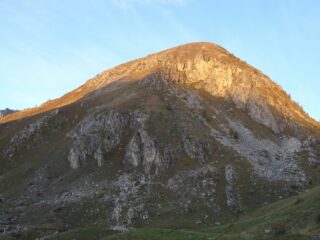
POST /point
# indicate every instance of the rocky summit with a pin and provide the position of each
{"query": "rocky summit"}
(189, 137)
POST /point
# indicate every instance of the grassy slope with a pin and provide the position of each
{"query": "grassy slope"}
(297, 217)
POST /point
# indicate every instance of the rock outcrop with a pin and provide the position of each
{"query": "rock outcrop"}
(33, 134)
(96, 135)
(231, 177)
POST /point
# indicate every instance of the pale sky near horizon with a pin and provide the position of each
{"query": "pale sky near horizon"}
(48, 48)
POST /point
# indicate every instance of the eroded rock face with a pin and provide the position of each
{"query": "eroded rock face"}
(224, 80)
(261, 113)
(33, 134)
(197, 150)
(232, 195)
(201, 182)
(126, 211)
(96, 135)
(271, 160)
(142, 150)
(103, 132)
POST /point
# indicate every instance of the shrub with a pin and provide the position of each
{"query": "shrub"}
(318, 218)
(204, 238)
(206, 114)
(169, 107)
(298, 200)
(234, 134)
(275, 229)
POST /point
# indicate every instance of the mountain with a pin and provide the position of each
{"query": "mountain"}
(6, 112)
(186, 138)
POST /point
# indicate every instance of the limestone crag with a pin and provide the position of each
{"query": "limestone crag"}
(271, 160)
(94, 136)
(231, 177)
(103, 132)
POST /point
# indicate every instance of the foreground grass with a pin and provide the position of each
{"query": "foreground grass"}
(92, 233)
(297, 217)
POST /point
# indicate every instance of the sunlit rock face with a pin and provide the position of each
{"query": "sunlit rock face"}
(209, 67)
(188, 136)
(204, 66)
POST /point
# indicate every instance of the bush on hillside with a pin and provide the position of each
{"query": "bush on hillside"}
(234, 134)
(275, 229)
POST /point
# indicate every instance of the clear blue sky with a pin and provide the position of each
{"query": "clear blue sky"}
(49, 47)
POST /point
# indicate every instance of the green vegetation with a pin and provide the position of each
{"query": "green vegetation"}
(297, 218)
(156, 234)
(234, 134)
(318, 218)
(91, 233)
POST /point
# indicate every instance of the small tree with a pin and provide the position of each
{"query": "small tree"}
(234, 134)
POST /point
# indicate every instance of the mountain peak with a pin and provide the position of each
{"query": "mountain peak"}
(188, 135)
(194, 48)
(203, 66)
(211, 68)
